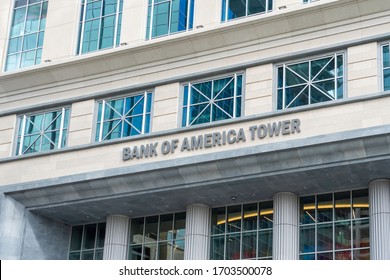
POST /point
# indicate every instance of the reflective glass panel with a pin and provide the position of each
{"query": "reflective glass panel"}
(135, 252)
(178, 249)
(234, 218)
(266, 215)
(218, 220)
(77, 235)
(217, 247)
(100, 25)
(361, 233)
(342, 206)
(363, 254)
(265, 243)
(233, 246)
(360, 204)
(166, 227)
(342, 235)
(151, 228)
(249, 240)
(250, 217)
(150, 251)
(307, 239)
(325, 237)
(170, 16)
(308, 210)
(324, 208)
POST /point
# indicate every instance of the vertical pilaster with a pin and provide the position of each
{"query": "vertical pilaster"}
(379, 198)
(285, 230)
(197, 236)
(115, 243)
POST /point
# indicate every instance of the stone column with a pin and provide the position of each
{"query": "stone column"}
(379, 199)
(197, 238)
(117, 234)
(286, 227)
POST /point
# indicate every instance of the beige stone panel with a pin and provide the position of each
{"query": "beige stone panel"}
(363, 86)
(258, 73)
(7, 122)
(165, 122)
(80, 122)
(134, 20)
(362, 69)
(168, 91)
(6, 136)
(165, 107)
(79, 137)
(5, 150)
(259, 89)
(258, 106)
(207, 13)
(61, 33)
(82, 108)
(362, 52)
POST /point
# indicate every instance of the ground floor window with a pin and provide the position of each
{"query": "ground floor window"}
(242, 231)
(158, 237)
(335, 226)
(87, 242)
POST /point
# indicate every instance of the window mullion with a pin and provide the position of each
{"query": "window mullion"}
(100, 25)
(61, 128)
(81, 45)
(116, 22)
(144, 113)
(102, 120)
(188, 103)
(212, 101)
(151, 20)
(284, 86)
(235, 97)
(169, 17)
(246, 8)
(188, 15)
(22, 135)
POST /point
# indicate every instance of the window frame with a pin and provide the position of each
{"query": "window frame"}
(382, 67)
(309, 60)
(81, 26)
(149, 22)
(98, 128)
(182, 99)
(40, 34)
(225, 8)
(21, 125)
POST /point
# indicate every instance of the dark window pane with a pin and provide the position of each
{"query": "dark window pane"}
(136, 231)
(325, 256)
(324, 237)
(249, 245)
(165, 251)
(74, 256)
(360, 204)
(363, 254)
(233, 246)
(307, 239)
(343, 255)
(151, 229)
(307, 210)
(218, 220)
(234, 218)
(266, 215)
(101, 234)
(236, 9)
(166, 227)
(135, 252)
(386, 56)
(265, 243)
(178, 249)
(89, 236)
(324, 208)
(217, 247)
(342, 235)
(77, 235)
(179, 226)
(250, 217)
(361, 233)
(150, 251)
(342, 206)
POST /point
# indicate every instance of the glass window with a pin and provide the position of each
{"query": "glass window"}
(42, 132)
(169, 16)
(309, 82)
(337, 226)
(212, 100)
(242, 231)
(87, 242)
(157, 237)
(232, 9)
(386, 66)
(26, 36)
(123, 117)
(309, 1)
(100, 25)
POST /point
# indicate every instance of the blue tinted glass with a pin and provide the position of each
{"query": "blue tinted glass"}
(178, 15)
(13, 62)
(161, 19)
(149, 103)
(30, 41)
(107, 30)
(93, 10)
(109, 7)
(33, 17)
(223, 14)
(236, 9)
(386, 56)
(28, 59)
(185, 95)
(17, 28)
(386, 79)
(15, 45)
(256, 6)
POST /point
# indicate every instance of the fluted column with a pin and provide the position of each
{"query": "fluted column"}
(379, 197)
(285, 229)
(197, 238)
(115, 242)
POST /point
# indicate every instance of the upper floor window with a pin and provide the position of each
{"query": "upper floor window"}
(169, 16)
(26, 35)
(310, 81)
(386, 66)
(309, 1)
(124, 117)
(43, 132)
(212, 100)
(100, 25)
(232, 9)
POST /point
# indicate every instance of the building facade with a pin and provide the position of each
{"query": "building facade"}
(195, 129)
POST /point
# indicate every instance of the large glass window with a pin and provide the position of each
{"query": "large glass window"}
(310, 81)
(212, 100)
(100, 24)
(123, 117)
(87, 242)
(232, 9)
(386, 66)
(157, 237)
(242, 232)
(169, 16)
(335, 226)
(43, 131)
(27, 32)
